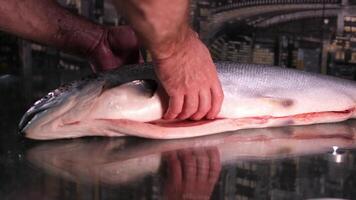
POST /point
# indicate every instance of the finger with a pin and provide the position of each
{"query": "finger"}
(190, 106)
(215, 164)
(123, 38)
(174, 168)
(217, 97)
(202, 165)
(174, 107)
(188, 162)
(204, 105)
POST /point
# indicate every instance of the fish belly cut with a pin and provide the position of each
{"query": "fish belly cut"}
(185, 129)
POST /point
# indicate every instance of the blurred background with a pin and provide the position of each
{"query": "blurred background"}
(311, 35)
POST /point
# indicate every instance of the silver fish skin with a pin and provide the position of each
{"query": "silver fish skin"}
(129, 101)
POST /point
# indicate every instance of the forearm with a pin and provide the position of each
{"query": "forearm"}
(161, 24)
(46, 22)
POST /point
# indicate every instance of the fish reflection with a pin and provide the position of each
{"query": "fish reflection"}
(123, 160)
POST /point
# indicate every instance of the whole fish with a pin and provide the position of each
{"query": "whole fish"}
(130, 101)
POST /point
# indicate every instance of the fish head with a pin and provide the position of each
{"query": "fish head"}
(69, 108)
(53, 102)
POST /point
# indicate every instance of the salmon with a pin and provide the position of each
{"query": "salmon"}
(130, 101)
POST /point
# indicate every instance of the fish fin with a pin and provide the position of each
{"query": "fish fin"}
(147, 86)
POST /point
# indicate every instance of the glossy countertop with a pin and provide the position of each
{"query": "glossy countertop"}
(296, 162)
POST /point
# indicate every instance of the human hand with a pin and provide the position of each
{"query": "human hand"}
(190, 79)
(192, 173)
(117, 46)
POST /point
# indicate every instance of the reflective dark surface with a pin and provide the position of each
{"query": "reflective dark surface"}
(303, 162)
(310, 162)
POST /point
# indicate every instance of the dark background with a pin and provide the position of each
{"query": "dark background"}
(310, 35)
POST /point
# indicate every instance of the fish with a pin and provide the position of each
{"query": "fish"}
(130, 101)
(119, 161)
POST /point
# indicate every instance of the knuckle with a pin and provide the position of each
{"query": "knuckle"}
(174, 92)
(190, 94)
(191, 105)
(173, 96)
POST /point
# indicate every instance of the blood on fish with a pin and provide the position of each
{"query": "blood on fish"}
(313, 115)
(289, 120)
(287, 103)
(72, 123)
(184, 123)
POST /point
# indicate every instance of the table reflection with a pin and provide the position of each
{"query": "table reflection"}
(191, 173)
(123, 160)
